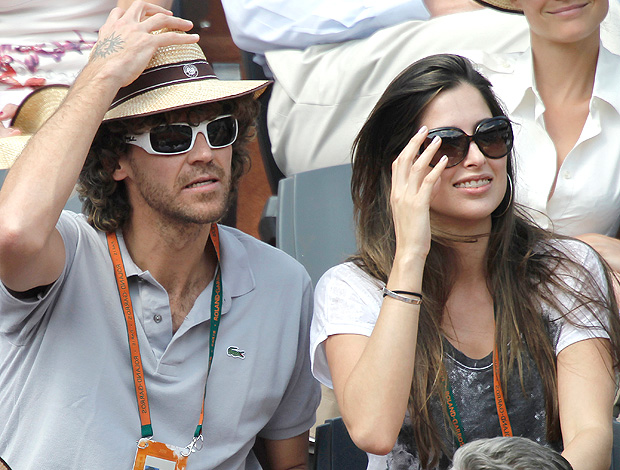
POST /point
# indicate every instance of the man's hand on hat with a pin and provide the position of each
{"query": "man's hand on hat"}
(126, 45)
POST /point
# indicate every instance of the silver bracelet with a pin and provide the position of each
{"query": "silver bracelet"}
(416, 299)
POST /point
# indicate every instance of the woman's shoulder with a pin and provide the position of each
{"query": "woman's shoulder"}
(348, 288)
(348, 274)
(572, 249)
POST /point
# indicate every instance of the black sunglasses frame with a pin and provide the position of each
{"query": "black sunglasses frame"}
(496, 125)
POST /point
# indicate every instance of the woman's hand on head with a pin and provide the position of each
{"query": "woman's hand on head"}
(414, 184)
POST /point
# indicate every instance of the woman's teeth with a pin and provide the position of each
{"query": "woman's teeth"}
(472, 184)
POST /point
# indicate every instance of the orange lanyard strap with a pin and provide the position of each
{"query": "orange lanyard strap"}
(130, 321)
(502, 413)
(453, 411)
(216, 309)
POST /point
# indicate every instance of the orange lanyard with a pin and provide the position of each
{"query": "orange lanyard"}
(502, 412)
(453, 411)
(134, 347)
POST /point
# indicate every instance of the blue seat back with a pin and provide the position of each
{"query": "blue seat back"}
(314, 222)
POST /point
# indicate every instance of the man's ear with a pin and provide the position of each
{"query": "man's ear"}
(120, 172)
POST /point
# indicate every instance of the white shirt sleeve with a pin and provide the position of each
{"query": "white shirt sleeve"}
(346, 301)
(262, 25)
(584, 322)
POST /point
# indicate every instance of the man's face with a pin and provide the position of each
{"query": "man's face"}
(190, 188)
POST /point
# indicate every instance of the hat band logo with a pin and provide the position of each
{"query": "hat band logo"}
(190, 70)
(165, 75)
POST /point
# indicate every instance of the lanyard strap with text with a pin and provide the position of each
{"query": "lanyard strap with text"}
(455, 417)
(132, 334)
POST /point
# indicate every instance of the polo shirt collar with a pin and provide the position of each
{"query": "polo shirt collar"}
(131, 269)
(237, 276)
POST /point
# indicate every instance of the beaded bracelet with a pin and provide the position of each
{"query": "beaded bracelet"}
(415, 298)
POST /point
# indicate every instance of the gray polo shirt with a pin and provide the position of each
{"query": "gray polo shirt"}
(66, 386)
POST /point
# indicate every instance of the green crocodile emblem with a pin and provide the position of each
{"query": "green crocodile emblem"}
(234, 351)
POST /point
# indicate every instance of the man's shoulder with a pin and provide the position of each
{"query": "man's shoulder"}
(262, 256)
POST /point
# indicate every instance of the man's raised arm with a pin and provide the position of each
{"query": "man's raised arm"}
(41, 180)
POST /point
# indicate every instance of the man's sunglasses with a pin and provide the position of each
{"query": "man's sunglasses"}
(174, 139)
(493, 137)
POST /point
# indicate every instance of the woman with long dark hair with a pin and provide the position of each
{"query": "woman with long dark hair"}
(459, 318)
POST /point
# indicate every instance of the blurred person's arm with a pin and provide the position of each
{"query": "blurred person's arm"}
(124, 4)
(260, 26)
(447, 7)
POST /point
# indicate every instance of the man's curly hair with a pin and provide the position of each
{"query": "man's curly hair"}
(105, 200)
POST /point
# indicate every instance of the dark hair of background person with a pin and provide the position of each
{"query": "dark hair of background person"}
(105, 201)
(523, 264)
(508, 453)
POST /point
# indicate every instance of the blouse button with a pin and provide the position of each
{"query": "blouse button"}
(567, 175)
(157, 318)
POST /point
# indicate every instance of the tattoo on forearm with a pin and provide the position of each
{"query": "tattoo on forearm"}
(104, 47)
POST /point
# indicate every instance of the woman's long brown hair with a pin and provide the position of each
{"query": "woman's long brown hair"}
(525, 266)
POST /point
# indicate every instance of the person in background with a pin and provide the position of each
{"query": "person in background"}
(562, 94)
(459, 318)
(508, 453)
(46, 43)
(142, 330)
(362, 66)
(267, 25)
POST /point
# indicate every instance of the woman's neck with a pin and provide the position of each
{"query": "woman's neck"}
(468, 321)
(564, 72)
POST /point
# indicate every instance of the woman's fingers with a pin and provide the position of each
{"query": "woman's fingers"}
(431, 179)
(401, 166)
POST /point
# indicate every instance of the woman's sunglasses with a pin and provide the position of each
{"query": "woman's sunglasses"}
(174, 139)
(493, 137)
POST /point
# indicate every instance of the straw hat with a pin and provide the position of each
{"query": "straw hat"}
(502, 5)
(29, 117)
(177, 76)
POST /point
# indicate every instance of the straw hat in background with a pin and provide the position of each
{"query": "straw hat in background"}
(177, 76)
(31, 114)
(502, 5)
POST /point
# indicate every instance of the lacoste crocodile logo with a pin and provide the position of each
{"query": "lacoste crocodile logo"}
(234, 351)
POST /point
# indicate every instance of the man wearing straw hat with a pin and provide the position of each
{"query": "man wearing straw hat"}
(143, 334)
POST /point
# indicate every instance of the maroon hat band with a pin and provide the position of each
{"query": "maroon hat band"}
(164, 75)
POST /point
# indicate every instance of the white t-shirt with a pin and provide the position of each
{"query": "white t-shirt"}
(348, 301)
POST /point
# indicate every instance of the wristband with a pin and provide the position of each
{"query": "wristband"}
(415, 298)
